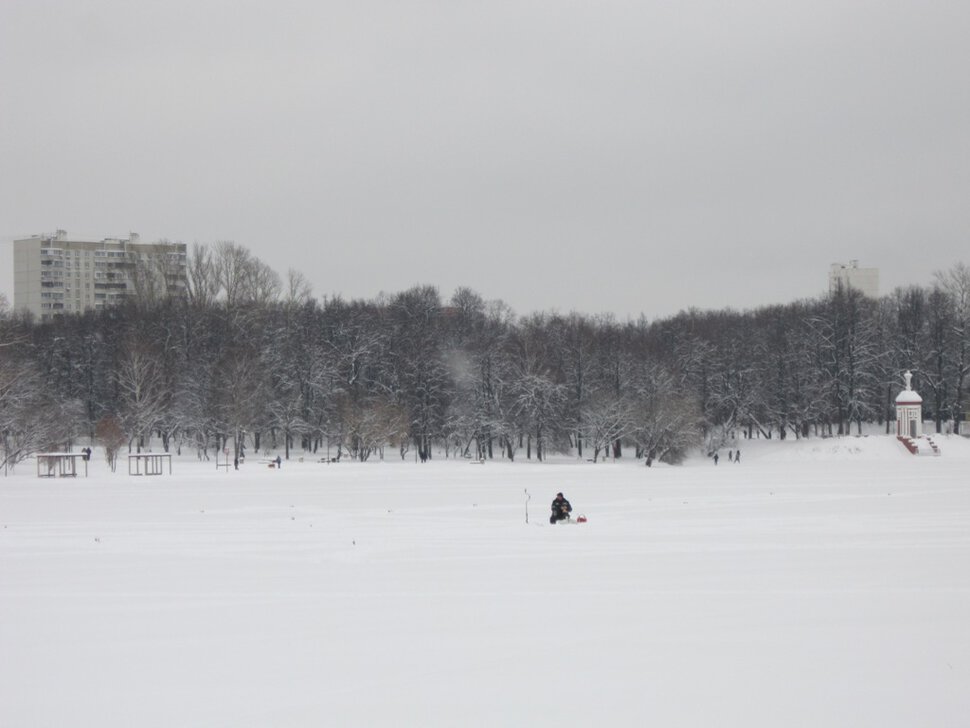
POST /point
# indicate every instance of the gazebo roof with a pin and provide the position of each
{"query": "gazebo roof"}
(908, 396)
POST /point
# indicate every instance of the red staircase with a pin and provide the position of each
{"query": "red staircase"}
(910, 444)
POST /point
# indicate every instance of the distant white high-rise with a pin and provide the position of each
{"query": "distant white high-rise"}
(55, 275)
(850, 275)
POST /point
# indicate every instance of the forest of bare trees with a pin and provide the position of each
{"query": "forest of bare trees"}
(249, 361)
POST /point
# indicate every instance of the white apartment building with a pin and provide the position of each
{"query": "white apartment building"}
(54, 275)
(850, 275)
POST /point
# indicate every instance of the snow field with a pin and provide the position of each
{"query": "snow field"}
(822, 582)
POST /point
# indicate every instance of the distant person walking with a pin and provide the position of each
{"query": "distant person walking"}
(737, 456)
(716, 458)
(730, 455)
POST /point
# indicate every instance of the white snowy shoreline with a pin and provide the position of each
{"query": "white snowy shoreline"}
(817, 583)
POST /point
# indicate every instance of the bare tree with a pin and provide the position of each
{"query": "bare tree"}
(112, 437)
(263, 285)
(299, 292)
(155, 278)
(231, 264)
(202, 277)
(243, 278)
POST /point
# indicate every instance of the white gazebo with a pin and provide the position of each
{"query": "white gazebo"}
(909, 411)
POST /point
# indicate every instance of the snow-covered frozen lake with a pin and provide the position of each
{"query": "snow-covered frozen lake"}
(816, 583)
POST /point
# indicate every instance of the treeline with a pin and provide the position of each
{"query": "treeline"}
(247, 359)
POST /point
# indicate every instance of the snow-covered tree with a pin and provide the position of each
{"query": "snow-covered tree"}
(605, 420)
(956, 283)
(845, 338)
(665, 422)
(141, 391)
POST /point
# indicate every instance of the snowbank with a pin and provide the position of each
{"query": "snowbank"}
(815, 583)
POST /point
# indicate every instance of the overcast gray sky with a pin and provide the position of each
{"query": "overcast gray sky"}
(598, 156)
